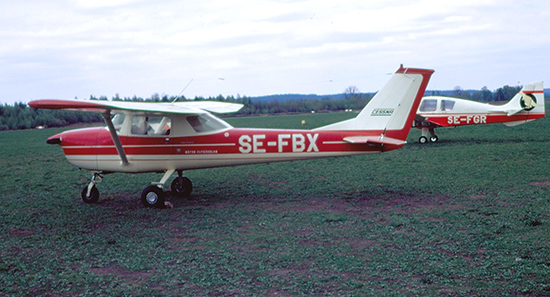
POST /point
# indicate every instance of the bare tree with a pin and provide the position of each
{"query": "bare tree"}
(351, 92)
(458, 91)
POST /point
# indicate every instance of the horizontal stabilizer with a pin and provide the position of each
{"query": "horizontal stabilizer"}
(516, 123)
(513, 112)
(374, 140)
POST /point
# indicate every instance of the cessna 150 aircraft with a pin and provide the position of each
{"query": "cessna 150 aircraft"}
(172, 137)
(437, 111)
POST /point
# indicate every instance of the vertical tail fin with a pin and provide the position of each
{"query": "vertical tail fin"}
(530, 98)
(529, 103)
(392, 110)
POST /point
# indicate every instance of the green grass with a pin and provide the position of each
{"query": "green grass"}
(466, 216)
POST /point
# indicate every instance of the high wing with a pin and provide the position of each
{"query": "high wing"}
(187, 107)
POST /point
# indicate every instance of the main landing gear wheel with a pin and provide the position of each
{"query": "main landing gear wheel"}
(93, 197)
(434, 139)
(181, 187)
(153, 196)
(423, 139)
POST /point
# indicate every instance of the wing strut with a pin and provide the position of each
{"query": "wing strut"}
(107, 117)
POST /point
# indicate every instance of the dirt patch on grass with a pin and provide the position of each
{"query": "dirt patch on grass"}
(544, 183)
(124, 201)
(21, 232)
(370, 207)
(119, 271)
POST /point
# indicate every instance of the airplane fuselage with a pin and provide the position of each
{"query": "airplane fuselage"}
(446, 111)
(93, 148)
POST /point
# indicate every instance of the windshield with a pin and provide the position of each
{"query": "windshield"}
(206, 123)
(428, 105)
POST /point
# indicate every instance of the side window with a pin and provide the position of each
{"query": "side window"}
(151, 125)
(159, 126)
(428, 105)
(139, 125)
(447, 105)
(118, 120)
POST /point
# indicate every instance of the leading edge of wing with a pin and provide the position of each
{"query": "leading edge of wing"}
(194, 107)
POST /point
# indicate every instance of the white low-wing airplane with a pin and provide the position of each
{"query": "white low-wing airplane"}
(438, 111)
(172, 137)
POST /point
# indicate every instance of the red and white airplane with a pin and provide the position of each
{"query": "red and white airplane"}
(437, 111)
(172, 137)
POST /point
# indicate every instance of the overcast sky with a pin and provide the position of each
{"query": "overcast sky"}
(68, 49)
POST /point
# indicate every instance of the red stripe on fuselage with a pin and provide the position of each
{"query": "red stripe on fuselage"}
(97, 141)
(446, 120)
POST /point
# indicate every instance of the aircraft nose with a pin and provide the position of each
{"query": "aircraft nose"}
(56, 139)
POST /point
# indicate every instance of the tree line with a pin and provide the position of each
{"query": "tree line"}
(20, 116)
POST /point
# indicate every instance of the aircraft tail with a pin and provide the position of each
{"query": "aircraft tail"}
(529, 102)
(392, 110)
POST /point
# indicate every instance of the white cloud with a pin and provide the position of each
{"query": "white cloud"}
(77, 48)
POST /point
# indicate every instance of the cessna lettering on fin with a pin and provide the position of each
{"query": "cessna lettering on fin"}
(382, 112)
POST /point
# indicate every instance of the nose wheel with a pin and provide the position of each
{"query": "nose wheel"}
(90, 193)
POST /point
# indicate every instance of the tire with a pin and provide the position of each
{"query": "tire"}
(94, 195)
(183, 188)
(434, 139)
(423, 139)
(153, 196)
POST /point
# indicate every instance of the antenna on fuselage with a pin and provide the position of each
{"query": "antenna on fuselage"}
(182, 91)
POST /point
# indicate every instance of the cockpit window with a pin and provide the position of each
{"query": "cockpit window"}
(205, 123)
(447, 105)
(428, 105)
(151, 125)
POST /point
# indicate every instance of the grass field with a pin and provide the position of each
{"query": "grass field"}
(466, 216)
